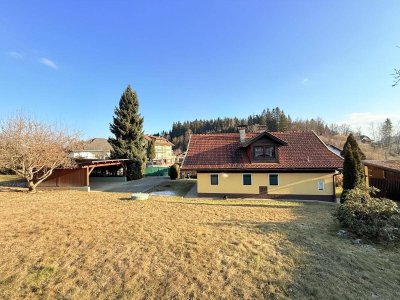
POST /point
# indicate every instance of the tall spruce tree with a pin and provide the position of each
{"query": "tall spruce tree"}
(127, 127)
(353, 170)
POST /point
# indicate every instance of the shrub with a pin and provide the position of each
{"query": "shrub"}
(368, 217)
(135, 170)
(174, 171)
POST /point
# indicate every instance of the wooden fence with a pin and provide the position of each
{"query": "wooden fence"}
(389, 186)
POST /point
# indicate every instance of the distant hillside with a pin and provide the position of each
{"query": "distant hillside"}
(370, 150)
(276, 120)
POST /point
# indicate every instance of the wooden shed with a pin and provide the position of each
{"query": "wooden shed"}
(79, 177)
(384, 175)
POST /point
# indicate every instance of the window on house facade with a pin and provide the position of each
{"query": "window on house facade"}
(264, 152)
(273, 179)
(246, 179)
(214, 179)
(321, 185)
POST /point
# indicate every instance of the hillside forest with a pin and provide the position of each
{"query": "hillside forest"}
(385, 137)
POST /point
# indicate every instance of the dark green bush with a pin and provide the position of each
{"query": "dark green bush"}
(135, 170)
(173, 171)
(368, 217)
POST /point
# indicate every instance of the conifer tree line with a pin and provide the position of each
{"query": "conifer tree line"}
(271, 119)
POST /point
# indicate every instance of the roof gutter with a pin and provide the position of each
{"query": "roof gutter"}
(334, 185)
(283, 170)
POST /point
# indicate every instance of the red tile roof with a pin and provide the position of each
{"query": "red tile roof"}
(159, 140)
(223, 151)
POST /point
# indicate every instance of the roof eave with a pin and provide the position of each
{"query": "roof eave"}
(260, 170)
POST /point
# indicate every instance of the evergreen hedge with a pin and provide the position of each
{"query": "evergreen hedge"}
(174, 171)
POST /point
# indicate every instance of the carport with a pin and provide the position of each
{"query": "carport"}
(79, 177)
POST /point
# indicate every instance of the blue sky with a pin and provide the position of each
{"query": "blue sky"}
(69, 61)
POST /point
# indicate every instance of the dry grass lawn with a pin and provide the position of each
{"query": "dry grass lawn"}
(76, 245)
(8, 177)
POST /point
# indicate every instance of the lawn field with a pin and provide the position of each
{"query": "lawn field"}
(77, 245)
(9, 178)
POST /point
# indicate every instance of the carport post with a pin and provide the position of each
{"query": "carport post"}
(86, 177)
(88, 170)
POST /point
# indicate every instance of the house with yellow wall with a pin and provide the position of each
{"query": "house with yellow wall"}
(163, 150)
(283, 165)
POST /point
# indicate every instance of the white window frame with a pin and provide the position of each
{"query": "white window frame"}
(269, 179)
(212, 174)
(321, 181)
(251, 178)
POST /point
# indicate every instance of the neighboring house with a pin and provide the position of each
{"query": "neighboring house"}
(366, 139)
(286, 165)
(163, 150)
(385, 176)
(97, 148)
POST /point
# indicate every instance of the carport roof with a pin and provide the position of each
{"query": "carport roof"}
(88, 163)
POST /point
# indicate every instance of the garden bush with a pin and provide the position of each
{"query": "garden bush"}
(174, 171)
(365, 216)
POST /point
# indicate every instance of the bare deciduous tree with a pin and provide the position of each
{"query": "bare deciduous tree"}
(33, 149)
(397, 138)
(396, 76)
(344, 129)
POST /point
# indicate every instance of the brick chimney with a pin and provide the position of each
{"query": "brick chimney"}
(242, 133)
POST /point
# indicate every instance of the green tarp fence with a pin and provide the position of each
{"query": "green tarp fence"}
(156, 171)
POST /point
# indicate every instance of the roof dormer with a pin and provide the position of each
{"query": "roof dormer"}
(263, 148)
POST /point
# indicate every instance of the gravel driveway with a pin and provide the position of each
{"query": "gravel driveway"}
(134, 186)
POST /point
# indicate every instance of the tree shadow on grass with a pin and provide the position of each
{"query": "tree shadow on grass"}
(13, 183)
(322, 264)
(13, 186)
(126, 199)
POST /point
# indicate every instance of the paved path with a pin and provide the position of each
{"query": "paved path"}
(134, 186)
(192, 192)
